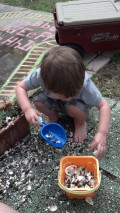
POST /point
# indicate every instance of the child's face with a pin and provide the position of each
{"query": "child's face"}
(61, 97)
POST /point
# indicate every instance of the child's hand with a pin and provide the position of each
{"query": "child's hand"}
(32, 116)
(99, 142)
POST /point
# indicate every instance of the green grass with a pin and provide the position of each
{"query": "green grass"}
(43, 5)
(107, 80)
(116, 58)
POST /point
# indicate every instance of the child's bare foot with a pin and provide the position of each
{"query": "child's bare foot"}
(80, 132)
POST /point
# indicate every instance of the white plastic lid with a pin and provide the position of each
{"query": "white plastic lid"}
(87, 11)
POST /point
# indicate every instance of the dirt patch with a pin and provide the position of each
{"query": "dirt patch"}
(108, 80)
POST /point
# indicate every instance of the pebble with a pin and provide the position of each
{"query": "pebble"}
(29, 188)
(89, 200)
(95, 152)
(53, 208)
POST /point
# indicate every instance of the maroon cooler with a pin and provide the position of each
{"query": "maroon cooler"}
(89, 25)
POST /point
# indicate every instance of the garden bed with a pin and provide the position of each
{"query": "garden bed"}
(13, 126)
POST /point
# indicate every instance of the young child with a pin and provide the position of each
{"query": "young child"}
(66, 88)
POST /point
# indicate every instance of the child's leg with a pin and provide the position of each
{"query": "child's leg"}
(6, 209)
(79, 117)
(52, 117)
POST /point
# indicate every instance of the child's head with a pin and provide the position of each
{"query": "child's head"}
(63, 71)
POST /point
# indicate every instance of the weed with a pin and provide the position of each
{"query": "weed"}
(116, 58)
(11, 111)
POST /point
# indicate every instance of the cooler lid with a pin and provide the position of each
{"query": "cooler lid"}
(87, 11)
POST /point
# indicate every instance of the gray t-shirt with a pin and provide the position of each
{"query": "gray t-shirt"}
(89, 93)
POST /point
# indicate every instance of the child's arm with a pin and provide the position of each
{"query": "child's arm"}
(30, 113)
(99, 140)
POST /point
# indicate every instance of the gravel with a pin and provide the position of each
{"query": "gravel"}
(26, 166)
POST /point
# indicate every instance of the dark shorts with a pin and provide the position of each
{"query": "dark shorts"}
(59, 106)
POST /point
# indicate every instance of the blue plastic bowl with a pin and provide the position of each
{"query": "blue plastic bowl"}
(54, 134)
